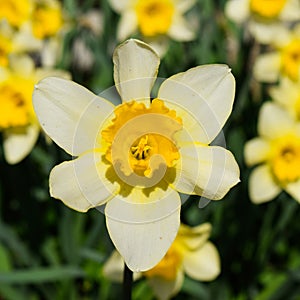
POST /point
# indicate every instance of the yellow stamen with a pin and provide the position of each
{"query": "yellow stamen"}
(154, 16)
(141, 151)
(267, 8)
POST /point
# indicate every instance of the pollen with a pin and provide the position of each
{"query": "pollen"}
(154, 16)
(267, 8)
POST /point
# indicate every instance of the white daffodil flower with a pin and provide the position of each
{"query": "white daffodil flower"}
(154, 20)
(277, 153)
(264, 18)
(284, 60)
(18, 123)
(191, 253)
(137, 156)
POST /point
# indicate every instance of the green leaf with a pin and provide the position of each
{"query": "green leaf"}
(5, 262)
(39, 275)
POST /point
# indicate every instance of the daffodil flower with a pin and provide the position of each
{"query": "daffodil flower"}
(277, 153)
(16, 12)
(137, 156)
(154, 20)
(16, 42)
(47, 18)
(287, 94)
(283, 61)
(17, 119)
(265, 17)
(191, 253)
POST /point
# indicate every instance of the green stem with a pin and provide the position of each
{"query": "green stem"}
(127, 283)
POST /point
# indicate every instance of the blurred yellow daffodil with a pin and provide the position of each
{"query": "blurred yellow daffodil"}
(265, 17)
(16, 12)
(137, 156)
(47, 18)
(17, 119)
(277, 151)
(191, 253)
(154, 20)
(283, 61)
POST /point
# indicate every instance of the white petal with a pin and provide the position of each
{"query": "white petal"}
(18, 143)
(286, 87)
(180, 30)
(237, 10)
(113, 267)
(267, 33)
(135, 69)
(159, 44)
(184, 5)
(274, 121)
(165, 289)
(204, 95)
(143, 232)
(291, 11)
(24, 41)
(202, 264)
(267, 67)
(294, 190)
(206, 171)
(127, 25)
(81, 183)
(262, 187)
(119, 5)
(256, 151)
(70, 114)
(193, 238)
(23, 65)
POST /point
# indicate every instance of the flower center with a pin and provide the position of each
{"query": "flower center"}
(154, 16)
(16, 109)
(141, 150)
(168, 267)
(267, 8)
(47, 20)
(286, 159)
(137, 135)
(290, 59)
(16, 12)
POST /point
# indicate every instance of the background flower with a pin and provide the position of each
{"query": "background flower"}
(190, 253)
(153, 20)
(264, 18)
(278, 151)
